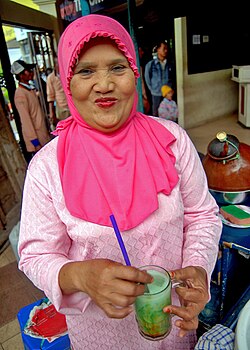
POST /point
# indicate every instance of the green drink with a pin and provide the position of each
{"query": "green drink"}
(153, 323)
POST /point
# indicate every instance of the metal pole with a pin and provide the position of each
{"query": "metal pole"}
(41, 96)
(11, 87)
(131, 15)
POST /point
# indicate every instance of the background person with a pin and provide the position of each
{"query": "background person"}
(58, 107)
(158, 72)
(94, 168)
(34, 128)
(168, 108)
(145, 92)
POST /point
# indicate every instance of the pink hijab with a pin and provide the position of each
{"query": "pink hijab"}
(119, 173)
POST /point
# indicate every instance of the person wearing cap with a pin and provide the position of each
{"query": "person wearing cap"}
(34, 129)
(168, 108)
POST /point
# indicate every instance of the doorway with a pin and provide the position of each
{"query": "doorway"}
(32, 46)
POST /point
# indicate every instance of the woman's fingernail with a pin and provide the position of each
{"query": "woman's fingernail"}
(131, 308)
(167, 309)
(172, 274)
(178, 324)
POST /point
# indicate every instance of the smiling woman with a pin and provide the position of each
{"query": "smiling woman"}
(103, 85)
(109, 159)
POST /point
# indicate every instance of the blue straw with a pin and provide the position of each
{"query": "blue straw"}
(120, 240)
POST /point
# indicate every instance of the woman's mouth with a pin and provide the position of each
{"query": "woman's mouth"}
(105, 102)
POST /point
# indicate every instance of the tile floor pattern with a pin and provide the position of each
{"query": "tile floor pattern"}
(16, 291)
(202, 135)
(10, 336)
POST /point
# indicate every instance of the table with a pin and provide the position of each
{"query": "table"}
(230, 282)
(235, 265)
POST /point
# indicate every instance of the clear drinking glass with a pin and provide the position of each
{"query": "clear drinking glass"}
(153, 323)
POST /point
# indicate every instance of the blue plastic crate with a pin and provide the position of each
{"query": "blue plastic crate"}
(30, 343)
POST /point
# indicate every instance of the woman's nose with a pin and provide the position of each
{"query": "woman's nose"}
(104, 81)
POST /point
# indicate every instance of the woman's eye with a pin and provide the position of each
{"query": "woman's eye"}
(85, 72)
(118, 68)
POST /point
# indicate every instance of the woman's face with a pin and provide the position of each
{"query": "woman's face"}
(103, 86)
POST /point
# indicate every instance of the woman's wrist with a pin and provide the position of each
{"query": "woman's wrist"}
(69, 277)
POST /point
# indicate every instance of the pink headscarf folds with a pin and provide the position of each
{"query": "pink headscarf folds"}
(118, 173)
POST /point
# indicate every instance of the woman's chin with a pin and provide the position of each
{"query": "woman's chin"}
(107, 128)
(109, 125)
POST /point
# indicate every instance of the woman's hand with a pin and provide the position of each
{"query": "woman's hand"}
(193, 298)
(111, 285)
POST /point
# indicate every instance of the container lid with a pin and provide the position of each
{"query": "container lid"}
(224, 146)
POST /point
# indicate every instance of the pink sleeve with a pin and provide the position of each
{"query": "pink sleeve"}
(44, 244)
(202, 226)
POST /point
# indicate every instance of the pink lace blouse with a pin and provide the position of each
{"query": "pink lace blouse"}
(183, 231)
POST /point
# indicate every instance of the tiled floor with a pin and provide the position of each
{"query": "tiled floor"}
(202, 135)
(10, 337)
(16, 291)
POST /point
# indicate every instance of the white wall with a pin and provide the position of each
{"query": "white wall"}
(201, 97)
(15, 54)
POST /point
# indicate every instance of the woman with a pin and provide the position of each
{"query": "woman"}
(107, 159)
